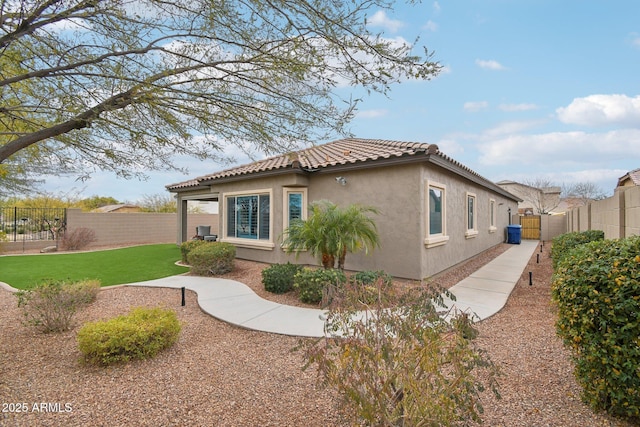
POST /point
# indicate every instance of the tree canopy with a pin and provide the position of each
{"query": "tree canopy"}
(125, 85)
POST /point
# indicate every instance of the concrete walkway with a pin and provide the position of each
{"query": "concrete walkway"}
(484, 293)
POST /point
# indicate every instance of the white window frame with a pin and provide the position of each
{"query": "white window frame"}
(436, 239)
(286, 191)
(248, 243)
(473, 230)
(492, 216)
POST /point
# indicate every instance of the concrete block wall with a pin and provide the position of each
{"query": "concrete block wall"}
(134, 228)
(618, 216)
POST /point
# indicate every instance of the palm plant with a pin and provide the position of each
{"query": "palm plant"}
(330, 232)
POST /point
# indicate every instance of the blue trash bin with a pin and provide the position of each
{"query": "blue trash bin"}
(514, 234)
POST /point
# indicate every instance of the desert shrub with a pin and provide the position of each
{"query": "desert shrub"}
(51, 305)
(212, 259)
(563, 243)
(318, 285)
(78, 239)
(278, 278)
(402, 366)
(141, 334)
(188, 246)
(596, 288)
(369, 284)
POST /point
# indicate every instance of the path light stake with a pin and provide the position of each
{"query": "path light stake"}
(183, 301)
(537, 258)
(530, 278)
(540, 248)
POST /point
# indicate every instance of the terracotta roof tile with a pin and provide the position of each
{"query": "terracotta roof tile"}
(341, 152)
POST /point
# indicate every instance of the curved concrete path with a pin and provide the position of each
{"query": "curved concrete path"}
(483, 293)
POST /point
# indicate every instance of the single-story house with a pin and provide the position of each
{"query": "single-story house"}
(434, 212)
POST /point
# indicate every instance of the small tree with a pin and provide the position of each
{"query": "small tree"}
(398, 362)
(330, 232)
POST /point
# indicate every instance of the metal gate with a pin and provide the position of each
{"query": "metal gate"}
(530, 227)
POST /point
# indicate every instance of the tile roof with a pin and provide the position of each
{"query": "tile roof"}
(633, 175)
(337, 153)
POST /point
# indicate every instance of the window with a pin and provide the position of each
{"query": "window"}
(472, 230)
(248, 216)
(295, 206)
(492, 216)
(436, 215)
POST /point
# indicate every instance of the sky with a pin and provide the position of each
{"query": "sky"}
(530, 90)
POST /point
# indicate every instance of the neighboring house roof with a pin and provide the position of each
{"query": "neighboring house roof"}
(350, 153)
(630, 178)
(115, 208)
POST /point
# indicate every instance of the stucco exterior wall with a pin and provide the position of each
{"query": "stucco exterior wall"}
(398, 192)
(460, 247)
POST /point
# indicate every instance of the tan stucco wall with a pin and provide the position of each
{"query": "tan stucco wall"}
(398, 192)
(460, 248)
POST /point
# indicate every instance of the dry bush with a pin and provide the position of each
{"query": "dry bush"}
(78, 239)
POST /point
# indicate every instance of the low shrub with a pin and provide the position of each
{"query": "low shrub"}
(563, 243)
(141, 334)
(369, 285)
(596, 288)
(406, 366)
(318, 285)
(278, 278)
(50, 306)
(78, 239)
(188, 246)
(212, 259)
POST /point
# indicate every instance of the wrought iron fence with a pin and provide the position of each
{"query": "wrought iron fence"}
(29, 224)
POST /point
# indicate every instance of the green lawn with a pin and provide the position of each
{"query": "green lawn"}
(111, 267)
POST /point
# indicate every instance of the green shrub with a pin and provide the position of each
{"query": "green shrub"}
(316, 285)
(563, 244)
(50, 306)
(278, 278)
(212, 259)
(141, 334)
(188, 246)
(368, 285)
(597, 291)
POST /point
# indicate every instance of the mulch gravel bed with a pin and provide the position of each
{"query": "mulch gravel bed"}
(221, 375)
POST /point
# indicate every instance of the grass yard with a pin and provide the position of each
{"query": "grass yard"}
(111, 267)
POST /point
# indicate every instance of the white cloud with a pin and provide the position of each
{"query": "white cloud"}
(559, 149)
(450, 147)
(380, 19)
(436, 6)
(602, 110)
(517, 107)
(510, 128)
(489, 64)
(475, 106)
(430, 26)
(372, 114)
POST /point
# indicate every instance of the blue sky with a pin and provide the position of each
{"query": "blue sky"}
(530, 89)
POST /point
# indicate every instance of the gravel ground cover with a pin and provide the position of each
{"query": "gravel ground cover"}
(220, 375)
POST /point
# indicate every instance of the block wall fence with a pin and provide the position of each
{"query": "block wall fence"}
(119, 229)
(618, 216)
